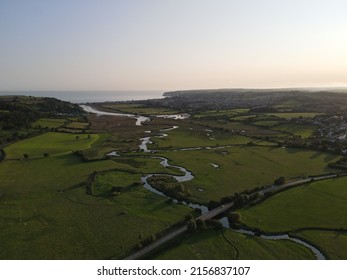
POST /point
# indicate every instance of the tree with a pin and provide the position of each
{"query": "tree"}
(89, 136)
(234, 217)
(152, 238)
(216, 224)
(200, 224)
(191, 225)
(77, 137)
(188, 217)
(46, 155)
(25, 156)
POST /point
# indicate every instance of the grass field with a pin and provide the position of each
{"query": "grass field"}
(218, 113)
(76, 226)
(334, 244)
(39, 222)
(241, 168)
(184, 137)
(211, 245)
(51, 143)
(77, 125)
(266, 123)
(235, 126)
(243, 118)
(105, 181)
(294, 115)
(298, 129)
(49, 123)
(319, 204)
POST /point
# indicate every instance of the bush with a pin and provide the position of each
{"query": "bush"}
(234, 217)
(280, 181)
(215, 224)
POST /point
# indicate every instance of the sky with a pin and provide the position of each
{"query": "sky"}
(171, 44)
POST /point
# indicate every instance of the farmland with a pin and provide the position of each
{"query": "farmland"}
(303, 131)
(333, 243)
(240, 168)
(48, 206)
(195, 137)
(284, 209)
(212, 245)
(49, 123)
(51, 143)
(283, 213)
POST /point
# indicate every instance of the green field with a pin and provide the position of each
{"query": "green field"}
(294, 115)
(76, 226)
(236, 126)
(77, 125)
(49, 123)
(243, 118)
(51, 143)
(319, 204)
(220, 113)
(334, 244)
(302, 130)
(266, 123)
(211, 244)
(184, 137)
(241, 168)
(46, 214)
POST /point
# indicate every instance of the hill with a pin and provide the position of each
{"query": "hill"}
(18, 112)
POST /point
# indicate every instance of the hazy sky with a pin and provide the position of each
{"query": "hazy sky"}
(171, 44)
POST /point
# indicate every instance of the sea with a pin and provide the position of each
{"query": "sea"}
(92, 96)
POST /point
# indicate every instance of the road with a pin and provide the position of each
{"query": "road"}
(278, 188)
(157, 243)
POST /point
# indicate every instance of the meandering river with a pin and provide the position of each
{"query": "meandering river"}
(187, 176)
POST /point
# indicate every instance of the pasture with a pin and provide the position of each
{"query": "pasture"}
(318, 204)
(220, 113)
(46, 214)
(302, 130)
(333, 243)
(290, 115)
(211, 244)
(196, 137)
(77, 125)
(52, 143)
(240, 168)
(49, 123)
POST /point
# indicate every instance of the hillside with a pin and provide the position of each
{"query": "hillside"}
(18, 112)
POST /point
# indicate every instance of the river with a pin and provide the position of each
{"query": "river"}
(189, 176)
(139, 119)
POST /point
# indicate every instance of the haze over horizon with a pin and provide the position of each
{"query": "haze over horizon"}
(171, 45)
